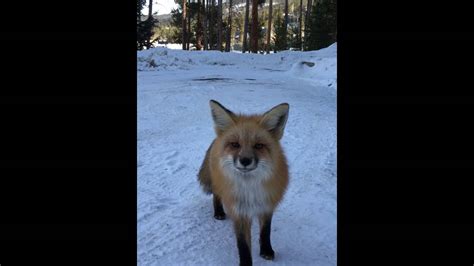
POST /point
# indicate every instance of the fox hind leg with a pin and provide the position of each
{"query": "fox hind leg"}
(204, 175)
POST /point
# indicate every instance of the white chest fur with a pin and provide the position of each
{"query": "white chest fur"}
(251, 198)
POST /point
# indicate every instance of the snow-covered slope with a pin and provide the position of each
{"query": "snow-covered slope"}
(175, 221)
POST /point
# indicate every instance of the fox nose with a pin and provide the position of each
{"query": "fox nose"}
(245, 161)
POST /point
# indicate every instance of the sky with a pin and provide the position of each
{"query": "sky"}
(162, 6)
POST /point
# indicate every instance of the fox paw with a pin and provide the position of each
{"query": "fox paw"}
(219, 216)
(269, 255)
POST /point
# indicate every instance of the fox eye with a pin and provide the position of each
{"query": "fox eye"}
(258, 146)
(235, 145)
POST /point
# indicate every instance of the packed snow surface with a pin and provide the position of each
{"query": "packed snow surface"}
(175, 218)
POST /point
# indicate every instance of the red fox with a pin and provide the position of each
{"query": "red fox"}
(246, 171)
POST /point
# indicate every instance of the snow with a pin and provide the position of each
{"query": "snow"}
(175, 218)
(175, 46)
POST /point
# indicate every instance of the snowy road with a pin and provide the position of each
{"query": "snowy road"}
(175, 221)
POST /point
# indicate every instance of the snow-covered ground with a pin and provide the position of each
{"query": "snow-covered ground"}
(175, 218)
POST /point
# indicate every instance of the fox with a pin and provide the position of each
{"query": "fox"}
(246, 171)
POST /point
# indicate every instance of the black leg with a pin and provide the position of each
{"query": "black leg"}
(219, 213)
(242, 232)
(244, 251)
(266, 250)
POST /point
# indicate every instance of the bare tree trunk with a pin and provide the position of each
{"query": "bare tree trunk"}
(199, 27)
(150, 7)
(139, 14)
(286, 24)
(308, 13)
(254, 30)
(219, 25)
(229, 28)
(301, 25)
(184, 25)
(205, 21)
(212, 22)
(150, 17)
(269, 31)
(246, 26)
(189, 28)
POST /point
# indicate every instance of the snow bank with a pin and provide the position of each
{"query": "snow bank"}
(319, 66)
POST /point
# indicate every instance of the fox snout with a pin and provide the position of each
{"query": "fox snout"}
(245, 159)
(245, 163)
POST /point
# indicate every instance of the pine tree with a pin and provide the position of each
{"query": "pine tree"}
(292, 39)
(280, 38)
(144, 28)
(140, 4)
(322, 29)
(212, 26)
(193, 24)
(140, 33)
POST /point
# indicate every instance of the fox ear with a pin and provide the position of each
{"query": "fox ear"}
(275, 120)
(223, 118)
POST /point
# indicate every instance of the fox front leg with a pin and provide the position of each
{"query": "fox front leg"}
(266, 250)
(242, 228)
(219, 213)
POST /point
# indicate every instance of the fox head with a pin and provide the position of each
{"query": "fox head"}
(249, 144)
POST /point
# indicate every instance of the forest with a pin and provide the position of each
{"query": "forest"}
(256, 26)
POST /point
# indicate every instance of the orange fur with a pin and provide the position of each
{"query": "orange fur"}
(249, 127)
